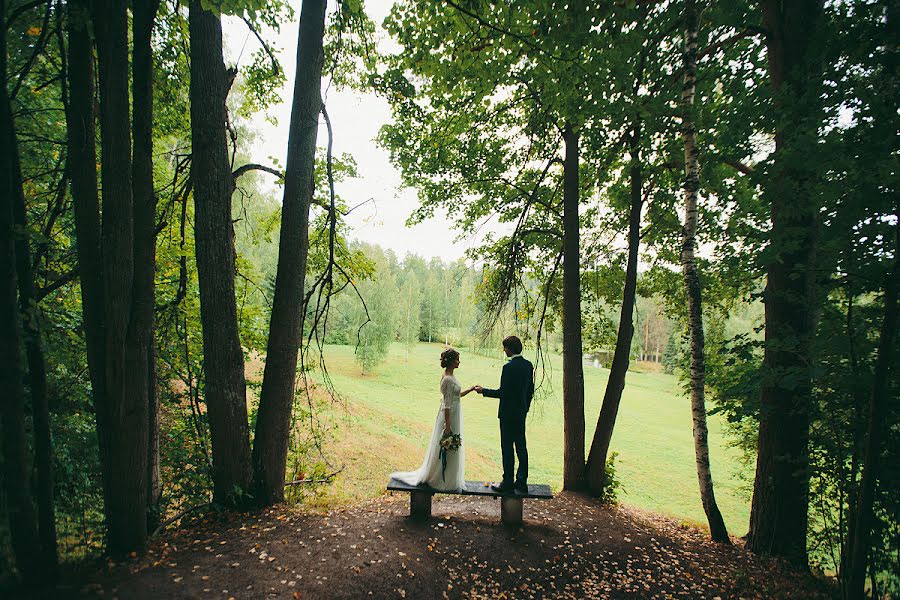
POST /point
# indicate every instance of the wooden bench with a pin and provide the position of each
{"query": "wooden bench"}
(510, 504)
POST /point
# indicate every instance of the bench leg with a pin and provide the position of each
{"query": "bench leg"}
(510, 510)
(420, 505)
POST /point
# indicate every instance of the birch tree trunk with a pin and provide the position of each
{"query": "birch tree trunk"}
(692, 284)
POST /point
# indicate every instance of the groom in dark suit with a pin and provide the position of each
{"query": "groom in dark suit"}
(515, 394)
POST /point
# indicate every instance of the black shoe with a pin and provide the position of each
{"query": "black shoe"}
(521, 489)
(502, 488)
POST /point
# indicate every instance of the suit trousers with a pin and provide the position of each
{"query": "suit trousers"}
(512, 445)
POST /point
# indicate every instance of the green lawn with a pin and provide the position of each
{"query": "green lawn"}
(392, 411)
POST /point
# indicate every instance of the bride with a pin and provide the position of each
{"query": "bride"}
(449, 420)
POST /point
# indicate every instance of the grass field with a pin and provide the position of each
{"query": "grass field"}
(390, 412)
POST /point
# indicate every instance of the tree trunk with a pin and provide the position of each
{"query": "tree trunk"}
(860, 542)
(861, 518)
(82, 165)
(125, 299)
(285, 326)
(37, 380)
(225, 388)
(779, 512)
(16, 466)
(142, 319)
(692, 283)
(615, 384)
(573, 370)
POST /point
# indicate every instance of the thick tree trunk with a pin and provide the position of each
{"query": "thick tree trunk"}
(16, 464)
(615, 384)
(779, 512)
(573, 369)
(124, 302)
(82, 164)
(225, 387)
(285, 327)
(141, 342)
(692, 284)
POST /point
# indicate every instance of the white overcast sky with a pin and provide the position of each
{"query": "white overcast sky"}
(356, 119)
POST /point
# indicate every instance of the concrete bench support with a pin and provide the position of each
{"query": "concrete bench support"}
(510, 510)
(420, 505)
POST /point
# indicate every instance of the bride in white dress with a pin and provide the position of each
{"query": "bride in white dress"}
(449, 420)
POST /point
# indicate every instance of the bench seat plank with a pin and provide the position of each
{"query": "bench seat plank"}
(538, 491)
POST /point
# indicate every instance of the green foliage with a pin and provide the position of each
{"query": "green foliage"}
(350, 52)
(611, 484)
(375, 331)
(408, 322)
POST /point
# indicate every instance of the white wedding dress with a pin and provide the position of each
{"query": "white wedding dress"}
(432, 472)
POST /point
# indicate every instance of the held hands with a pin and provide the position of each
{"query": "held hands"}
(478, 389)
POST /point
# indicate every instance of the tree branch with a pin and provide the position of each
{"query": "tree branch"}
(326, 479)
(256, 167)
(739, 166)
(45, 291)
(276, 69)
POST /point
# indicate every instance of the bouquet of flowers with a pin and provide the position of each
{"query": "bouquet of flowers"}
(449, 442)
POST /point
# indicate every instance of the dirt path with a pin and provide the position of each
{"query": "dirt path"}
(569, 548)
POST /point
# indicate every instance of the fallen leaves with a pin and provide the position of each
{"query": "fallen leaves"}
(569, 548)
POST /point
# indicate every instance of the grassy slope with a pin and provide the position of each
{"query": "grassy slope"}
(393, 409)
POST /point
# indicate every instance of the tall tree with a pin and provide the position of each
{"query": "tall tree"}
(37, 381)
(692, 284)
(285, 325)
(573, 368)
(144, 14)
(859, 540)
(858, 547)
(82, 159)
(408, 322)
(779, 513)
(16, 463)
(125, 302)
(225, 387)
(502, 107)
(36, 375)
(615, 385)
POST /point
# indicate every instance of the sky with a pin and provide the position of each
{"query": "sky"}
(356, 119)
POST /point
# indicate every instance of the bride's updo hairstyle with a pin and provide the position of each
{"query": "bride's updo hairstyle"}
(448, 357)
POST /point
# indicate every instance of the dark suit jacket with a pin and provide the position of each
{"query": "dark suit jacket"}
(516, 388)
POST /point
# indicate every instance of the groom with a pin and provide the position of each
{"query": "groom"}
(515, 394)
